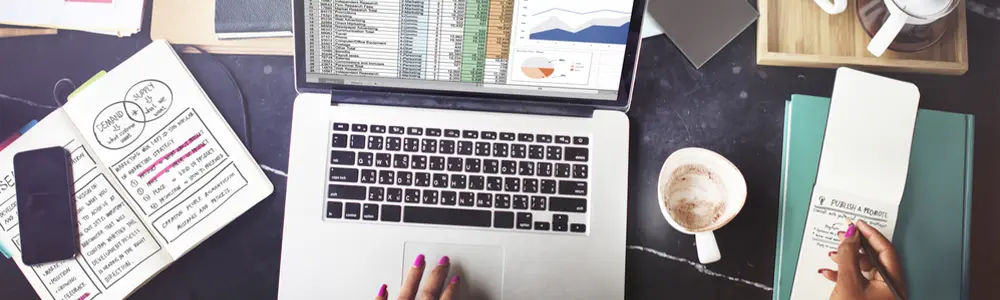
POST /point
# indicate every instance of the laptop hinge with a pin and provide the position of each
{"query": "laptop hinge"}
(457, 103)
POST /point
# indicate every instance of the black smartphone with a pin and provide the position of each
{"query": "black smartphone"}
(46, 208)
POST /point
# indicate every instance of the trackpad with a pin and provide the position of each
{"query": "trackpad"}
(481, 267)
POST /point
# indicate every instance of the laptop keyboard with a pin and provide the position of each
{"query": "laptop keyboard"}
(515, 181)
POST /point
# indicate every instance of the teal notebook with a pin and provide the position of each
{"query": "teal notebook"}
(932, 232)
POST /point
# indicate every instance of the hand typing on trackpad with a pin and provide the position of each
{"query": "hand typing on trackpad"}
(449, 272)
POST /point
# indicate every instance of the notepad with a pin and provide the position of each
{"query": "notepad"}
(121, 17)
(157, 170)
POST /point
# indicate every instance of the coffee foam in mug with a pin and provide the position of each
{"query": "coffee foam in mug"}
(695, 197)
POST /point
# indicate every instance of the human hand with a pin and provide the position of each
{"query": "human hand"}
(432, 289)
(856, 276)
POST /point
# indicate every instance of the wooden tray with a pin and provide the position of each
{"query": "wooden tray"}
(192, 22)
(798, 33)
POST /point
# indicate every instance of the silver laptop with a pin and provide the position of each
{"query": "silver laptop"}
(492, 132)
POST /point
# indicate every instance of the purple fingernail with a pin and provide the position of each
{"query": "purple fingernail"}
(419, 262)
(851, 229)
(444, 260)
(382, 292)
(455, 279)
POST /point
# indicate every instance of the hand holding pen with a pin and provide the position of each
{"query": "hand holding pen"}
(868, 266)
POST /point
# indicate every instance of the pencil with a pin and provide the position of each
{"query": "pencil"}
(878, 265)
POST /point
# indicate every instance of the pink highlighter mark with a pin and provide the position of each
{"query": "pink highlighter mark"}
(169, 154)
(85, 295)
(173, 164)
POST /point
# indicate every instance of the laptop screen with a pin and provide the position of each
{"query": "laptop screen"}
(544, 48)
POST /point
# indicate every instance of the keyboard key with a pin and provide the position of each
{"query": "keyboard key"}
(464, 148)
(440, 180)
(447, 147)
(386, 177)
(500, 149)
(491, 166)
(378, 128)
(568, 187)
(503, 219)
(482, 149)
(370, 212)
(339, 140)
(581, 140)
(524, 220)
(401, 161)
(411, 144)
(473, 165)
(394, 194)
(422, 179)
(578, 205)
(447, 216)
(477, 182)
(455, 164)
(418, 162)
(536, 152)
(357, 141)
(576, 227)
(562, 139)
(359, 128)
(343, 175)
(489, 135)
(393, 143)
(553, 153)
(470, 134)
(494, 183)
(560, 226)
(428, 146)
(340, 126)
(562, 170)
(520, 202)
(580, 171)
(548, 186)
(334, 209)
(501, 200)
(437, 163)
(530, 185)
(508, 167)
(366, 159)
(368, 176)
(543, 226)
(466, 199)
(449, 198)
(538, 203)
(544, 169)
(352, 210)
(411, 196)
(391, 213)
(414, 131)
(512, 184)
(577, 154)
(525, 137)
(560, 218)
(544, 138)
(484, 200)
(433, 132)
(526, 168)
(340, 191)
(430, 197)
(458, 181)
(383, 160)
(375, 142)
(451, 133)
(396, 129)
(518, 150)
(404, 178)
(507, 136)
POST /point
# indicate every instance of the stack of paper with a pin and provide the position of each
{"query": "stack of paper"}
(114, 17)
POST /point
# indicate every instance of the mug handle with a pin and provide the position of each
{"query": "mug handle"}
(883, 38)
(836, 7)
(708, 249)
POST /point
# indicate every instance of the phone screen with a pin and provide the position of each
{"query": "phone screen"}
(46, 209)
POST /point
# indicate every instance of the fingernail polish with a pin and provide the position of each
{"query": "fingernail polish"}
(444, 260)
(455, 279)
(831, 253)
(851, 229)
(419, 262)
(382, 292)
(820, 271)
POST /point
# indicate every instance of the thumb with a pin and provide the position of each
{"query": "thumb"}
(848, 269)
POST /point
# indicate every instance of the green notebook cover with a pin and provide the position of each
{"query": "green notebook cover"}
(932, 232)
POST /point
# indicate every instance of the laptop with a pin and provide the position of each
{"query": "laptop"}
(492, 132)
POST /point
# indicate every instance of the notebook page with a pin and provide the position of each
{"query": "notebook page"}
(117, 251)
(168, 148)
(118, 16)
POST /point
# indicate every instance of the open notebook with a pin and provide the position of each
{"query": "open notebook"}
(157, 171)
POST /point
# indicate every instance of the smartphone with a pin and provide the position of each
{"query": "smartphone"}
(46, 206)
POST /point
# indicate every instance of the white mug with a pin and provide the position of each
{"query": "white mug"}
(902, 12)
(699, 191)
(833, 8)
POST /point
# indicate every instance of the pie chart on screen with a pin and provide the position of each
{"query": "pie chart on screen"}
(537, 68)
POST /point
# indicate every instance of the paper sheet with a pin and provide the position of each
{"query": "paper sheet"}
(121, 17)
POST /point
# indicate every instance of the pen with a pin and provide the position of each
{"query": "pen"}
(873, 257)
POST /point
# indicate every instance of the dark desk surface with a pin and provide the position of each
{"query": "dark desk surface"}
(731, 105)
